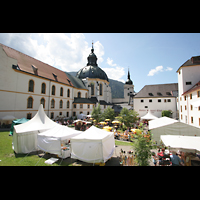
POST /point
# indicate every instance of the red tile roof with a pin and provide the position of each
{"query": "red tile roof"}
(192, 89)
(26, 62)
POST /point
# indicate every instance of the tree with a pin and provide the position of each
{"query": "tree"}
(142, 146)
(109, 113)
(96, 113)
(166, 113)
(128, 116)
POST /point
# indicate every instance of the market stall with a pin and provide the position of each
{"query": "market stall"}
(25, 135)
(56, 140)
(93, 146)
(169, 126)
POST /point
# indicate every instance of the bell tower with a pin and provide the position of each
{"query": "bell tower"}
(129, 90)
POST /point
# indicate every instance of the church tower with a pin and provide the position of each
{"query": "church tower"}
(128, 90)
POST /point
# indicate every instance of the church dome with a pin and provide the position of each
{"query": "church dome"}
(92, 70)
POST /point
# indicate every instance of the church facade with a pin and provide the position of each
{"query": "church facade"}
(25, 83)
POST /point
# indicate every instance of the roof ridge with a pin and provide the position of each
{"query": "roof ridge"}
(162, 84)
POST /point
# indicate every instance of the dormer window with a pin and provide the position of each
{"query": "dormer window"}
(168, 93)
(35, 69)
(55, 76)
(150, 94)
(158, 93)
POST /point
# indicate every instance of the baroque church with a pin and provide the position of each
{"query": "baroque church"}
(27, 82)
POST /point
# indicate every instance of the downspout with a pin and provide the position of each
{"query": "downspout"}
(49, 98)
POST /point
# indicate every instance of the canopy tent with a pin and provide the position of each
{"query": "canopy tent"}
(149, 116)
(16, 122)
(181, 142)
(52, 139)
(7, 119)
(168, 126)
(93, 146)
(25, 135)
(81, 116)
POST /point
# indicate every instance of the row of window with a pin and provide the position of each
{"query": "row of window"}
(43, 89)
(191, 108)
(185, 97)
(159, 100)
(42, 101)
(191, 119)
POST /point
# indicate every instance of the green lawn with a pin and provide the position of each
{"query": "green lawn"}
(8, 157)
(118, 142)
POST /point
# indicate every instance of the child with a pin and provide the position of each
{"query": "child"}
(155, 158)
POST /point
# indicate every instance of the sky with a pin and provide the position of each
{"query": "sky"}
(152, 58)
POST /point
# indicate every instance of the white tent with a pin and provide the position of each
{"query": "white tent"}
(93, 146)
(149, 116)
(25, 135)
(181, 142)
(51, 140)
(168, 126)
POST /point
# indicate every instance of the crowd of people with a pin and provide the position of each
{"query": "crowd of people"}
(127, 158)
(173, 158)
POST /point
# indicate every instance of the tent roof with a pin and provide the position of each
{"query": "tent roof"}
(8, 117)
(61, 132)
(149, 115)
(183, 142)
(163, 121)
(39, 122)
(93, 133)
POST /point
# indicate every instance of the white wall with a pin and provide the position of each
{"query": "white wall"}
(154, 106)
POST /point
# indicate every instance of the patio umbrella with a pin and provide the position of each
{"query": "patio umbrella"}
(116, 122)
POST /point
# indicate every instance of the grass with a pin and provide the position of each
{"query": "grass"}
(9, 158)
(118, 142)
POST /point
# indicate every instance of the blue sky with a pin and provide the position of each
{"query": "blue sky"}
(152, 58)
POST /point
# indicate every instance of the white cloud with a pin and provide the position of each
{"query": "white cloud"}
(110, 62)
(67, 52)
(169, 69)
(115, 73)
(152, 72)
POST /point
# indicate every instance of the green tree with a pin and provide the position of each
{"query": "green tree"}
(166, 113)
(142, 146)
(128, 116)
(96, 113)
(108, 113)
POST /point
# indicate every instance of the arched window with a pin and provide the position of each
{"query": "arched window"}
(52, 103)
(67, 104)
(53, 90)
(42, 101)
(61, 91)
(68, 93)
(101, 89)
(43, 88)
(79, 94)
(31, 86)
(92, 88)
(30, 102)
(61, 103)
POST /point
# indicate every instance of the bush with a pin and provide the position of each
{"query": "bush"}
(166, 113)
